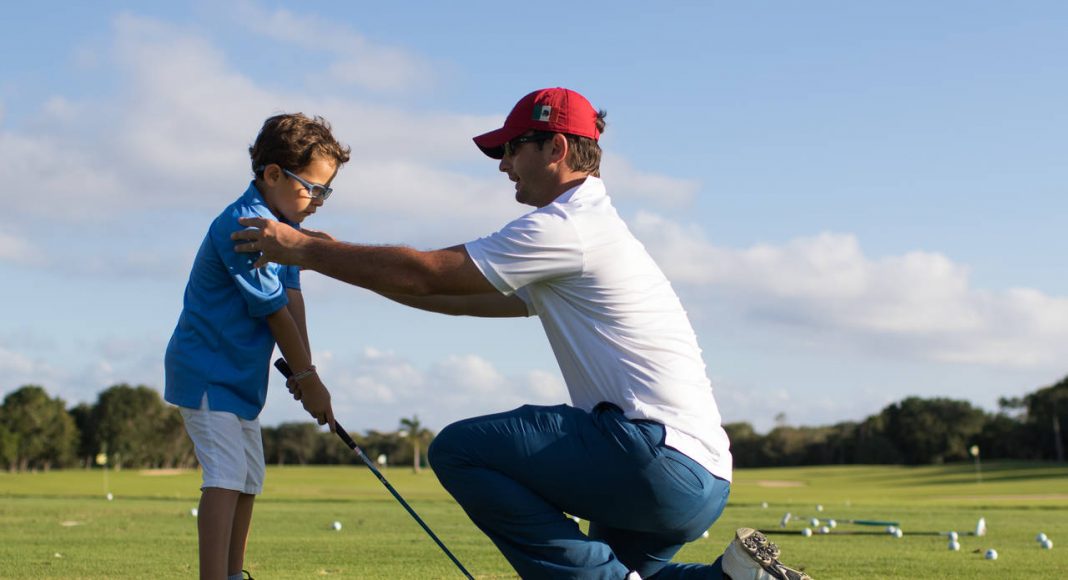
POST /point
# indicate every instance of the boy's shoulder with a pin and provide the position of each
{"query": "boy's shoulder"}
(248, 204)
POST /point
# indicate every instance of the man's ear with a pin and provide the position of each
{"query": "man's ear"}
(560, 148)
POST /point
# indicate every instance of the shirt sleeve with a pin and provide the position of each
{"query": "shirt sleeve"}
(261, 288)
(292, 277)
(538, 247)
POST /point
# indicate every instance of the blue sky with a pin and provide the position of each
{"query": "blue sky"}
(856, 202)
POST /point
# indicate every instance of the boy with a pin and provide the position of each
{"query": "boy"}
(218, 359)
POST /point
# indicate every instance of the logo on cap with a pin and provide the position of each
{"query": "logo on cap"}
(542, 113)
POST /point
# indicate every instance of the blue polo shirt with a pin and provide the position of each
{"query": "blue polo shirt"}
(222, 344)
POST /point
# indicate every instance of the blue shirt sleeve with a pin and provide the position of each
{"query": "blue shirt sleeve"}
(292, 277)
(261, 288)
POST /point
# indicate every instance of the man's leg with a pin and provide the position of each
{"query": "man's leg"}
(515, 473)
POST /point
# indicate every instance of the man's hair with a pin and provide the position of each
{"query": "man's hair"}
(584, 154)
(291, 140)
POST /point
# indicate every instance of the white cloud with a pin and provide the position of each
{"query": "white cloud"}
(626, 182)
(359, 62)
(18, 250)
(921, 303)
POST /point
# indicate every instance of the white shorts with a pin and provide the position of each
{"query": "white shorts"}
(229, 448)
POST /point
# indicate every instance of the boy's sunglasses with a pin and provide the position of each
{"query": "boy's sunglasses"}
(316, 191)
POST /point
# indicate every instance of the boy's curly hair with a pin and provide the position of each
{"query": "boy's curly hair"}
(291, 140)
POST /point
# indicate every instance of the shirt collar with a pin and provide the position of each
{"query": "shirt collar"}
(253, 197)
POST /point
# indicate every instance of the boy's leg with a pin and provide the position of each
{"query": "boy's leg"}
(239, 536)
(215, 520)
(514, 473)
(255, 470)
(230, 452)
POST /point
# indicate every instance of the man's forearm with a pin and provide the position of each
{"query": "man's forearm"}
(394, 269)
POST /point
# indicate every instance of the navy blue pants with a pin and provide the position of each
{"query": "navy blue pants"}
(516, 474)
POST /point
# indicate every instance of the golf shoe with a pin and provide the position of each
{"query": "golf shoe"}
(751, 556)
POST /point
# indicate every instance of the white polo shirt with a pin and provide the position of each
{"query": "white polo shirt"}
(615, 324)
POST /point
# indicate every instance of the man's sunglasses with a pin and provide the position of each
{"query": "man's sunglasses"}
(539, 137)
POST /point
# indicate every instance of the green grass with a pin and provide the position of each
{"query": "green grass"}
(59, 525)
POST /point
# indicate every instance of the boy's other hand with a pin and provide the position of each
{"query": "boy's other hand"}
(276, 241)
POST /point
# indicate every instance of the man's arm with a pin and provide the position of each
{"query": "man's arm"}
(488, 305)
(388, 270)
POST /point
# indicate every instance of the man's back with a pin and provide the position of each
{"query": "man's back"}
(615, 324)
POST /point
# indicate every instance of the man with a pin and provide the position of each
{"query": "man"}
(640, 453)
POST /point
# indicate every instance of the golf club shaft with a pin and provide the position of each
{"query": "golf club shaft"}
(283, 367)
(854, 522)
(780, 531)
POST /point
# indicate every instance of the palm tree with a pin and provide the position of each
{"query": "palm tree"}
(415, 432)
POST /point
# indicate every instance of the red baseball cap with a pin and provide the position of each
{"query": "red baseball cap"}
(555, 110)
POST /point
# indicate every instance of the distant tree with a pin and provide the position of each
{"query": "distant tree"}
(139, 429)
(296, 442)
(933, 430)
(418, 436)
(88, 443)
(391, 444)
(40, 432)
(746, 445)
(1047, 415)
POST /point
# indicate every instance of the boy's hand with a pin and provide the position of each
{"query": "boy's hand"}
(278, 242)
(315, 398)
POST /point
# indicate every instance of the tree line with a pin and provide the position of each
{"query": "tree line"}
(132, 427)
(917, 431)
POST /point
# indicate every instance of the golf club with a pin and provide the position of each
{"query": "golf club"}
(881, 523)
(980, 530)
(283, 367)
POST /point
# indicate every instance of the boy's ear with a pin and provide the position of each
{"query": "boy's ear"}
(272, 173)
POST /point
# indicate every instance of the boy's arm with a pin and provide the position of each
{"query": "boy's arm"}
(296, 310)
(311, 391)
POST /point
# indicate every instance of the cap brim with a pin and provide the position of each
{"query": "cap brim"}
(492, 143)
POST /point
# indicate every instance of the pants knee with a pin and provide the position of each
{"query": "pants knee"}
(442, 450)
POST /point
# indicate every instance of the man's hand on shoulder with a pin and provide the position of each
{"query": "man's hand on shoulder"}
(276, 241)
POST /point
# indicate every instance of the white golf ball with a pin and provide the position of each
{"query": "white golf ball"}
(890, 530)
(1047, 544)
(991, 554)
(764, 504)
(898, 533)
(704, 534)
(193, 512)
(337, 526)
(815, 522)
(825, 530)
(819, 507)
(1041, 538)
(806, 532)
(953, 537)
(832, 523)
(109, 496)
(954, 546)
